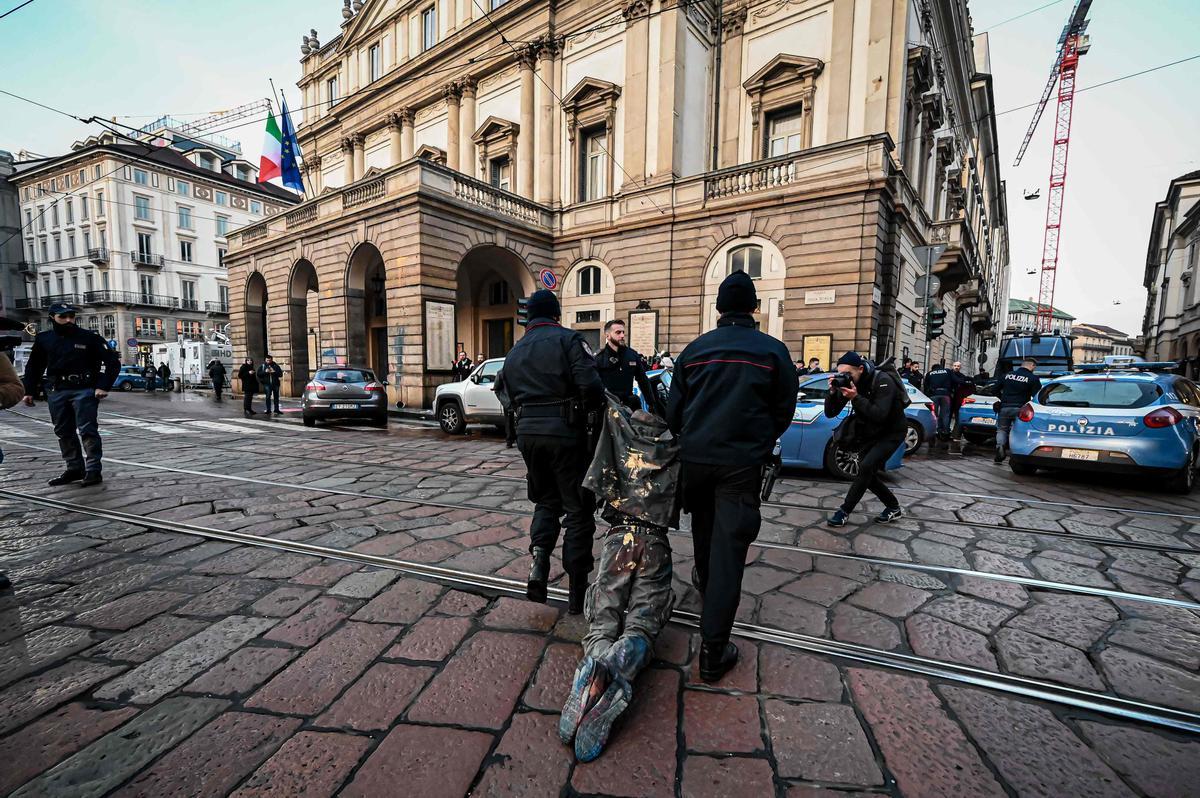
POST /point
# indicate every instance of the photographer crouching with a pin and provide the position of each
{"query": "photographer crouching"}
(875, 430)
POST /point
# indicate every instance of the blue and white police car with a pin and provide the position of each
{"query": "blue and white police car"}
(1134, 419)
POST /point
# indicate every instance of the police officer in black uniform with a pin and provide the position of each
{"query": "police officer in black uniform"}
(79, 369)
(733, 394)
(1017, 388)
(550, 381)
(619, 366)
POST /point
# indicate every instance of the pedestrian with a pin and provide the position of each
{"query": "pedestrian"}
(964, 386)
(875, 429)
(11, 392)
(249, 382)
(620, 366)
(164, 375)
(814, 366)
(732, 396)
(270, 377)
(478, 359)
(911, 373)
(462, 364)
(216, 373)
(550, 381)
(79, 369)
(1018, 387)
(630, 599)
(982, 378)
(801, 369)
(150, 375)
(939, 386)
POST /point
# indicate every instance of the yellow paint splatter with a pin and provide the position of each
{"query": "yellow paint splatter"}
(627, 540)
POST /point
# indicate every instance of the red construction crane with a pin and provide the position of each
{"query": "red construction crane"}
(1072, 43)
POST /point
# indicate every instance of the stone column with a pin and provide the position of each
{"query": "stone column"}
(525, 138)
(672, 43)
(732, 93)
(634, 96)
(453, 96)
(451, 16)
(360, 155)
(466, 121)
(395, 124)
(406, 133)
(315, 178)
(545, 128)
(347, 161)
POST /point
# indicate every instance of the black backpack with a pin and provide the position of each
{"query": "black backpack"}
(889, 367)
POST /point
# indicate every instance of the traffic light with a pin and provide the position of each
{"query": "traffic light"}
(522, 311)
(935, 317)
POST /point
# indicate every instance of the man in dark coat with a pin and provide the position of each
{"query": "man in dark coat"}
(620, 366)
(164, 375)
(733, 394)
(150, 376)
(216, 373)
(270, 375)
(249, 384)
(550, 381)
(80, 370)
(462, 364)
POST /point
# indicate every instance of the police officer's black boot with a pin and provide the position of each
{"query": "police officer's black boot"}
(539, 575)
(67, 477)
(91, 478)
(577, 588)
(716, 660)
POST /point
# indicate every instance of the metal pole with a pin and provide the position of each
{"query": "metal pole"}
(928, 277)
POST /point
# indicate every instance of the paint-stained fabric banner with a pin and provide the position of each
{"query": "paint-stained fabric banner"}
(635, 470)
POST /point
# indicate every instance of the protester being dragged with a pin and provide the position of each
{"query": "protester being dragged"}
(875, 429)
(634, 473)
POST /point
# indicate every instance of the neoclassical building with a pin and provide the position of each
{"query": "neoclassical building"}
(629, 155)
(1171, 326)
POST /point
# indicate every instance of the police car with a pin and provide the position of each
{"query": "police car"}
(808, 442)
(977, 417)
(1135, 419)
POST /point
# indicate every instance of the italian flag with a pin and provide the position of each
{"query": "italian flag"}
(271, 162)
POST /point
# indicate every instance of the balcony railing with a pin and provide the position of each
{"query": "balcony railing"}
(752, 178)
(189, 304)
(216, 307)
(129, 298)
(28, 304)
(360, 195)
(476, 192)
(26, 267)
(149, 334)
(301, 216)
(146, 259)
(98, 255)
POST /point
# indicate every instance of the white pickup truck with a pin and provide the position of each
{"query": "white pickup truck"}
(471, 401)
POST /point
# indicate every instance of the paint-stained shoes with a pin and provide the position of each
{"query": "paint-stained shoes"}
(590, 682)
(594, 729)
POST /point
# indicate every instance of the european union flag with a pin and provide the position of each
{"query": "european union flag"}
(290, 153)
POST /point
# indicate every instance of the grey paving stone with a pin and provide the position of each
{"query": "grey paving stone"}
(118, 755)
(173, 668)
(363, 584)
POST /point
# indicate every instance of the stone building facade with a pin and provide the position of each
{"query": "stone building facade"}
(629, 154)
(1171, 326)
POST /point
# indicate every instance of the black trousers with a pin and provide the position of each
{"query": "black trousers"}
(723, 502)
(247, 399)
(218, 386)
(555, 469)
(870, 463)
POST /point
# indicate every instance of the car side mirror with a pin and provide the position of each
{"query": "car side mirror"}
(474, 378)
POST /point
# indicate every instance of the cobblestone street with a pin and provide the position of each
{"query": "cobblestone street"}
(1010, 636)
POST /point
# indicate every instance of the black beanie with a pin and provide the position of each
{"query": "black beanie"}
(851, 359)
(737, 294)
(543, 304)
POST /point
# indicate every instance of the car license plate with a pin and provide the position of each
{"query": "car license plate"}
(1080, 454)
(986, 421)
(345, 407)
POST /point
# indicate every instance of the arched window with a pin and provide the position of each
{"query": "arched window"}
(747, 259)
(589, 281)
(110, 326)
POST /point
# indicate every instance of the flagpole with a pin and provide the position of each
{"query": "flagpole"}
(276, 94)
(299, 151)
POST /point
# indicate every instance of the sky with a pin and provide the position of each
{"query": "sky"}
(140, 59)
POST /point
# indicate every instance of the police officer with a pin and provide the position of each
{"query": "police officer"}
(619, 366)
(1017, 388)
(80, 370)
(940, 386)
(550, 381)
(732, 396)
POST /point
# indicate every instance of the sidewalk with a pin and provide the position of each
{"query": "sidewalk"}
(149, 663)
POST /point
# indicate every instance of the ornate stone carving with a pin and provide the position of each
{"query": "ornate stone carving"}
(528, 55)
(467, 86)
(733, 23)
(359, 139)
(347, 144)
(452, 92)
(635, 10)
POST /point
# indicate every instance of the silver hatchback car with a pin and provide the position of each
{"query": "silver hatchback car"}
(344, 392)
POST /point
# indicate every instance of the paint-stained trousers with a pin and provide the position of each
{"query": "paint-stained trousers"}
(630, 599)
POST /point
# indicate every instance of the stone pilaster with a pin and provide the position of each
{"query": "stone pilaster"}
(453, 95)
(466, 144)
(525, 139)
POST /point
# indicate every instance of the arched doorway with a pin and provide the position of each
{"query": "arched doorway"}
(763, 261)
(490, 281)
(302, 338)
(366, 310)
(256, 317)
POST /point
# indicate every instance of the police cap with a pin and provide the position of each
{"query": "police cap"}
(62, 309)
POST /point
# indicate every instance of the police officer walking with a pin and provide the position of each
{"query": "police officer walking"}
(550, 381)
(1017, 388)
(733, 394)
(80, 370)
(941, 384)
(619, 366)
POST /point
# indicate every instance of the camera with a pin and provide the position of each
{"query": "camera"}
(841, 379)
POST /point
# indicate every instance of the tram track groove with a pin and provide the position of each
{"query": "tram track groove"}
(1095, 540)
(1094, 701)
(882, 562)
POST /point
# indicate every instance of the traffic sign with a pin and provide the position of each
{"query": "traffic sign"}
(112, 343)
(549, 279)
(132, 342)
(934, 284)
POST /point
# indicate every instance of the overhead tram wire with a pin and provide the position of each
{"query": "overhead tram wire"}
(15, 9)
(1102, 703)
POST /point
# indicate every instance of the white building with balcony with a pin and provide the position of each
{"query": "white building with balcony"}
(135, 236)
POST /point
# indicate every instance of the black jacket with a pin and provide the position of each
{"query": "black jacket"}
(733, 393)
(75, 351)
(619, 369)
(548, 369)
(1018, 387)
(248, 378)
(269, 375)
(878, 408)
(941, 381)
(216, 371)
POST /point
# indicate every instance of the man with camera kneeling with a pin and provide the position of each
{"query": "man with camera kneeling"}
(875, 430)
